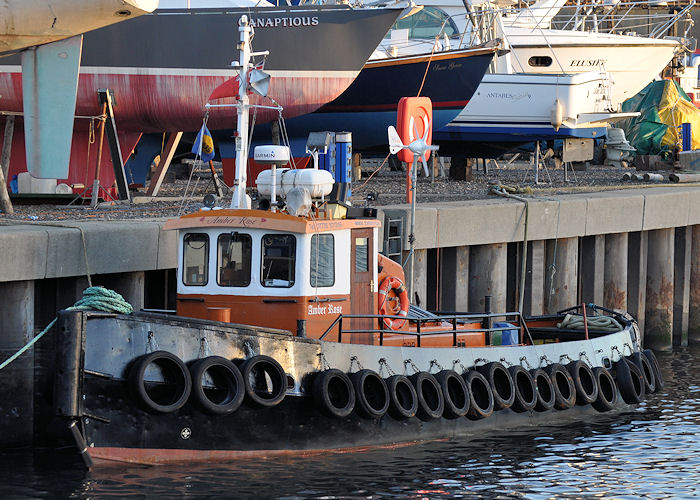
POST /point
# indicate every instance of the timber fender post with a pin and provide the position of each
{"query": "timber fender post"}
(694, 301)
(659, 294)
(69, 359)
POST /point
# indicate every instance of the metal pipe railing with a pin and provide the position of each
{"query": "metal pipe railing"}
(624, 16)
(454, 319)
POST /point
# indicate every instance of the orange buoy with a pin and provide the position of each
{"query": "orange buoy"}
(392, 283)
(414, 114)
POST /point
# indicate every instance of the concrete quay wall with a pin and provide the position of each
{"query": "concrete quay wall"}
(637, 250)
(37, 251)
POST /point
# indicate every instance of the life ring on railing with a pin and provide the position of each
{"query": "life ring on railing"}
(395, 284)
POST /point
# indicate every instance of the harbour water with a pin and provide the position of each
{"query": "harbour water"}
(650, 451)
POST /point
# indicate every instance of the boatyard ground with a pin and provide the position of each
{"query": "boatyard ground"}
(379, 183)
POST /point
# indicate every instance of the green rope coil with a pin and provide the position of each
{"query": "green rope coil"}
(94, 298)
(102, 299)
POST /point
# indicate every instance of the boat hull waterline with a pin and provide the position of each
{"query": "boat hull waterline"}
(369, 105)
(511, 109)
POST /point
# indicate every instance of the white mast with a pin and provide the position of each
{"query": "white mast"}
(259, 84)
(239, 199)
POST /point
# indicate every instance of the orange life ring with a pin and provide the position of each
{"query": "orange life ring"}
(396, 285)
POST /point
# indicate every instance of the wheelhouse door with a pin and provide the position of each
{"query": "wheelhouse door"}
(361, 284)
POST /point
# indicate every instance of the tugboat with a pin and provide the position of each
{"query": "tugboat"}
(293, 334)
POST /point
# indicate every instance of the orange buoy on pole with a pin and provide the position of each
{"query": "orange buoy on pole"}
(415, 116)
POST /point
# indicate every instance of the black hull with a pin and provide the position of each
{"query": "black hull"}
(95, 389)
(118, 430)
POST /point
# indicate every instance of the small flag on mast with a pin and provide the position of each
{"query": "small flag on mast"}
(227, 89)
(204, 145)
(231, 87)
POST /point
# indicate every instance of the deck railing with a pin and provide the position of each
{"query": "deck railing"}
(622, 18)
(454, 319)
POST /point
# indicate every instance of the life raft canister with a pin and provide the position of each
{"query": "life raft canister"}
(395, 284)
(415, 114)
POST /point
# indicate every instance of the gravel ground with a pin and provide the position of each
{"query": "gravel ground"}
(390, 187)
(385, 186)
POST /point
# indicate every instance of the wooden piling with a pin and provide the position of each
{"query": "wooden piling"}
(659, 294)
(561, 274)
(488, 276)
(694, 307)
(615, 279)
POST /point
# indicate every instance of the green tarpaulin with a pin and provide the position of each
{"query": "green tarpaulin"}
(664, 107)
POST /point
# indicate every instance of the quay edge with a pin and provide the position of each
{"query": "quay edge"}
(43, 270)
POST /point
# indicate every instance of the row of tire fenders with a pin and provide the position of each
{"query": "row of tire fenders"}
(476, 393)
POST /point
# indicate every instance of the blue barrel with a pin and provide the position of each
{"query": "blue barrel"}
(507, 337)
(343, 162)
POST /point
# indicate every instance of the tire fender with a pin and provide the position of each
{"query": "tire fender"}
(525, 389)
(481, 395)
(371, 394)
(455, 393)
(642, 362)
(655, 366)
(608, 394)
(333, 393)
(545, 390)
(431, 403)
(219, 369)
(255, 372)
(631, 385)
(584, 381)
(501, 384)
(402, 396)
(564, 389)
(173, 369)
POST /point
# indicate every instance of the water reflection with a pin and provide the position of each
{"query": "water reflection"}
(651, 451)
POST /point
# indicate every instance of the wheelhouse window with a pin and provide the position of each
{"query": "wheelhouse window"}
(278, 260)
(234, 253)
(322, 260)
(195, 259)
(540, 61)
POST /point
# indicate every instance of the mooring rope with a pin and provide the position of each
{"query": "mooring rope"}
(94, 298)
(604, 323)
